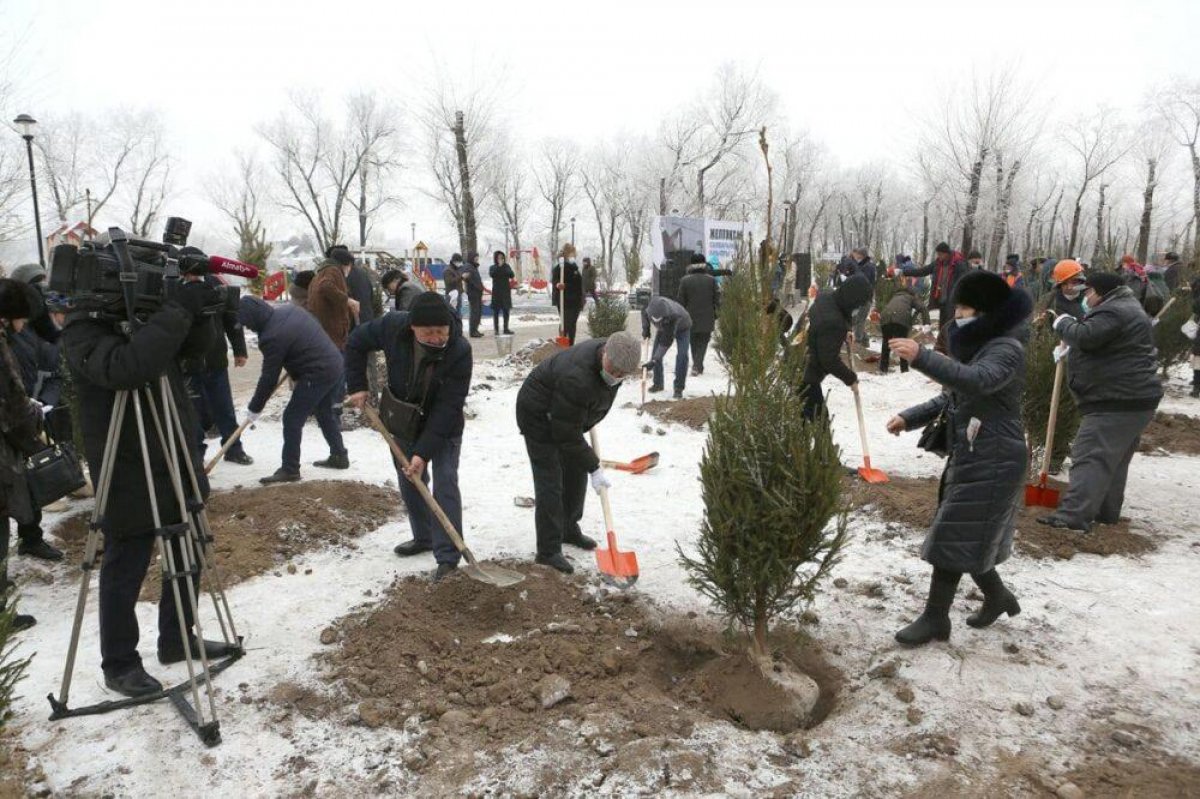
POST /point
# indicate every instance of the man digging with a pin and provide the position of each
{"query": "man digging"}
(560, 401)
(429, 373)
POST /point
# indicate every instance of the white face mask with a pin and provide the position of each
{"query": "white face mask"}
(1071, 293)
(963, 321)
(609, 379)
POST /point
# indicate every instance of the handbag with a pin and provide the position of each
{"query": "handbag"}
(1189, 329)
(402, 419)
(935, 438)
(52, 473)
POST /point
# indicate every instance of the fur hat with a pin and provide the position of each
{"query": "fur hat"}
(28, 273)
(429, 309)
(14, 300)
(984, 291)
(568, 250)
(1104, 282)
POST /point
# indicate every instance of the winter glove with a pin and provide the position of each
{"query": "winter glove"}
(599, 480)
(649, 365)
(249, 417)
(1058, 319)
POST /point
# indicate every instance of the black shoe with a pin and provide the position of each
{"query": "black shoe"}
(655, 389)
(678, 395)
(509, 333)
(281, 476)
(22, 621)
(410, 548)
(39, 549)
(993, 606)
(583, 542)
(240, 458)
(133, 683)
(173, 653)
(1062, 524)
(476, 334)
(1196, 391)
(695, 372)
(557, 561)
(926, 628)
(334, 462)
(444, 570)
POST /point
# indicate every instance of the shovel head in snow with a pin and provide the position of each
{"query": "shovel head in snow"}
(635, 466)
(619, 569)
(490, 573)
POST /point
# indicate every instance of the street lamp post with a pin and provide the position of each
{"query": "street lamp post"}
(572, 231)
(25, 125)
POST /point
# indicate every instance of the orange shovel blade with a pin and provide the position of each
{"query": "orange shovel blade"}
(563, 341)
(617, 568)
(639, 465)
(872, 475)
(1039, 496)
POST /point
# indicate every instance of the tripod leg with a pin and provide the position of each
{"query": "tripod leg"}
(103, 485)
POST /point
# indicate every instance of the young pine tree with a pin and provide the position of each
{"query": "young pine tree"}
(1035, 404)
(607, 316)
(11, 669)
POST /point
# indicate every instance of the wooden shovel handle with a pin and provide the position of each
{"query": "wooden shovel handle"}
(862, 425)
(608, 522)
(237, 434)
(1052, 422)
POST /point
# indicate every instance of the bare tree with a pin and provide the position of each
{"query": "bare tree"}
(1004, 193)
(237, 194)
(373, 128)
(598, 178)
(1097, 143)
(556, 171)
(149, 171)
(513, 195)
(1179, 103)
(733, 111)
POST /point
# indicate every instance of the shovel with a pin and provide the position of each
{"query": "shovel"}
(645, 355)
(619, 569)
(237, 434)
(1040, 495)
(635, 466)
(865, 471)
(489, 573)
(562, 340)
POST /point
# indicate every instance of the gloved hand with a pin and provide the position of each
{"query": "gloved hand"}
(1059, 319)
(599, 480)
(249, 417)
(649, 365)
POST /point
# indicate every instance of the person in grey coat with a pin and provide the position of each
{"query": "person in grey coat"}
(674, 326)
(1113, 375)
(698, 293)
(983, 380)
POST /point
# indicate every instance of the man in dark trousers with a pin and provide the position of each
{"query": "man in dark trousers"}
(863, 265)
(429, 367)
(290, 338)
(700, 297)
(589, 280)
(1113, 375)
(947, 269)
(474, 284)
(563, 398)
(673, 326)
(452, 283)
(896, 321)
(567, 279)
(103, 361)
(830, 322)
(502, 276)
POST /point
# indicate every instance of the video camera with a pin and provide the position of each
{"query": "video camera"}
(126, 279)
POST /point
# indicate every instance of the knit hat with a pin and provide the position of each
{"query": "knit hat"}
(429, 309)
(27, 273)
(456, 258)
(390, 275)
(1012, 258)
(14, 300)
(942, 247)
(974, 255)
(697, 258)
(1104, 282)
(302, 279)
(624, 352)
(984, 291)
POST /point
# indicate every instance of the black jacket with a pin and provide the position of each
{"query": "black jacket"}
(103, 361)
(225, 327)
(290, 338)
(407, 293)
(831, 318)
(972, 530)
(501, 274)
(451, 379)
(563, 398)
(698, 293)
(945, 278)
(573, 294)
(1112, 364)
(38, 361)
(361, 288)
(474, 282)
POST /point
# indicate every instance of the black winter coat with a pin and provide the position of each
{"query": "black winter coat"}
(448, 386)
(290, 338)
(474, 282)
(225, 327)
(40, 368)
(360, 287)
(501, 274)
(982, 483)
(829, 320)
(19, 424)
(563, 398)
(407, 293)
(573, 294)
(103, 362)
(1112, 364)
(698, 293)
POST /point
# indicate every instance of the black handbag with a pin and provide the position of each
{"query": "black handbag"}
(402, 419)
(53, 473)
(935, 437)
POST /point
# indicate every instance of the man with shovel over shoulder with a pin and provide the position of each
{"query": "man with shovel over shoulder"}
(429, 373)
(561, 400)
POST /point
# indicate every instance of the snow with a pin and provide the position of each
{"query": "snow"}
(1116, 638)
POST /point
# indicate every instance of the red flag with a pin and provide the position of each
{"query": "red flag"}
(274, 286)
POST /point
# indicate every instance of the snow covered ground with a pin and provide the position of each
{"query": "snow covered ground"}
(1115, 639)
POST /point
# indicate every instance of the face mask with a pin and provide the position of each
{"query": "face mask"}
(609, 379)
(1084, 303)
(1071, 294)
(432, 350)
(964, 321)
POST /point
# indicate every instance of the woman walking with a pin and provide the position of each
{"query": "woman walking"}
(983, 377)
(501, 274)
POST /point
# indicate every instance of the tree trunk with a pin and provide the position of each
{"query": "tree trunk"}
(1195, 209)
(468, 242)
(1054, 224)
(1098, 248)
(662, 196)
(1143, 241)
(1000, 222)
(1074, 237)
(760, 627)
(972, 201)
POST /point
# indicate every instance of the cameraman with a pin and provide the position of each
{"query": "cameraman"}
(103, 361)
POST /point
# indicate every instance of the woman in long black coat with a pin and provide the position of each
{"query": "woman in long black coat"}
(501, 274)
(984, 378)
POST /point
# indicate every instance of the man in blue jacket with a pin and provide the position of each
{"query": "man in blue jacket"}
(291, 338)
(429, 373)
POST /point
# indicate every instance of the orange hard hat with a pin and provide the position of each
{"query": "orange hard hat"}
(1065, 270)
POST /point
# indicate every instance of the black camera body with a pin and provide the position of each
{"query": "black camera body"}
(128, 279)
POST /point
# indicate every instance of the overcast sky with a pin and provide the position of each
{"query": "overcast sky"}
(853, 71)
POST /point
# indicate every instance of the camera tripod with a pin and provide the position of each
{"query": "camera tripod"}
(191, 538)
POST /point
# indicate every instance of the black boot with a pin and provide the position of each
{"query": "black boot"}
(996, 600)
(334, 462)
(444, 570)
(410, 548)
(133, 682)
(39, 549)
(558, 561)
(172, 652)
(582, 541)
(281, 476)
(934, 623)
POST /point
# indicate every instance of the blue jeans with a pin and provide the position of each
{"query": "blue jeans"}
(310, 399)
(214, 405)
(426, 529)
(682, 342)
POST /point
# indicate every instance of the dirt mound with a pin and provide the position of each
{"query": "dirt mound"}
(1171, 432)
(1117, 778)
(552, 663)
(912, 502)
(257, 530)
(693, 412)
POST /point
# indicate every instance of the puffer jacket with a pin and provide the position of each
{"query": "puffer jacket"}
(831, 318)
(1113, 364)
(563, 398)
(698, 293)
(289, 338)
(446, 395)
(981, 485)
